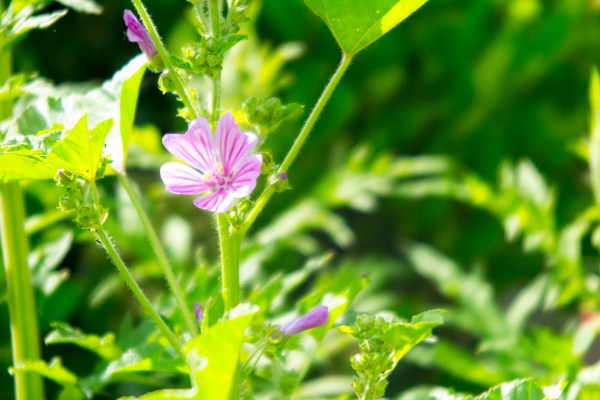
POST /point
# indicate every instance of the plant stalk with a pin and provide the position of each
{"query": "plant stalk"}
(230, 262)
(19, 290)
(215, 19)
(300, 140)
(108, 245)
(160, 254)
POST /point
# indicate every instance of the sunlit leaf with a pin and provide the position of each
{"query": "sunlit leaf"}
(55, 371)
(80, 150)
(104, 346)
(358, 23)
(213, 358)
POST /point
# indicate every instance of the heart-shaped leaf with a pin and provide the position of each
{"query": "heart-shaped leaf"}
(358, 23)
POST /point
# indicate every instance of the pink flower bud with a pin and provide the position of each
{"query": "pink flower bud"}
(316, 317)
(136, 33)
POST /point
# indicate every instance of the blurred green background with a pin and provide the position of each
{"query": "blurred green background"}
(479, 81)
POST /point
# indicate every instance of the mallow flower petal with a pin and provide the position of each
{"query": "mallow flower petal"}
(244, 178)
(196, 147)
(181, 179)
(219, 201)
(233, 145)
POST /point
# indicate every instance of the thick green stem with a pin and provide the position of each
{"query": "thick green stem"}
(300, 140)
(21, 304)
(231, 242)
(137, 291)
(180, 86)
(19, 291)
(160, 254)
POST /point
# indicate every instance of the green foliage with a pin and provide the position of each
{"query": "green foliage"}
(268, 113)
(357, 24)
(383, 343)
(104, 346)
(213, 358)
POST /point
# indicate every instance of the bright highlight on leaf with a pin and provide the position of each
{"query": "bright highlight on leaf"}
(358, 23)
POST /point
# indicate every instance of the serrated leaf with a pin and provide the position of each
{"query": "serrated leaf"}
(80, 150)
(358, 23)
(104, 346)
(116, 99)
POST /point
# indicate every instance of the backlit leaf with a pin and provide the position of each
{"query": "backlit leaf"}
(358, 23)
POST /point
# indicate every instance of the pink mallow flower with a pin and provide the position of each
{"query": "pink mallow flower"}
(136, 33)
(316, 317)
(223, 168)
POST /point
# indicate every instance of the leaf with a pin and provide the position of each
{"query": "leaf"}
(83, 6)
(358, 23)
(403, 336)
(80, 150)
(54, 371)
(127, 81)
(44, 260)
(213, 358)
(525, 389)
(104, 346)
(24, 157)
(116, 99)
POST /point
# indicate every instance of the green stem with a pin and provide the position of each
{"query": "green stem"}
(215, 18)
(180, 86)
(230, 261)
(160, 254)
(19, 291)
(20, 295)
(108, 245)
(300, 140)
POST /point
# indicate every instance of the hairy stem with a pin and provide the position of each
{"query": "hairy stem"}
(215, 18)
(300, 140)
(160, 254)
(180, 86)
(108, 245)
(230, 262)
(19, 291)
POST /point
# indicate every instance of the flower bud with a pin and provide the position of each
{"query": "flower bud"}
(316, 317)
(136, 33)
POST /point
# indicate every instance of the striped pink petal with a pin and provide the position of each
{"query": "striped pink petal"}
(219, 201)
(181, 179)
(233, 145)
(244, 179)
(196, 147)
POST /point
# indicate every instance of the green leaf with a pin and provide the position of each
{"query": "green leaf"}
(525, 389)
(213, 358)
(116, 99)
(358, 23)
(104, 346)
(127, 82)
(44, 260)
(403, 336)
(80, 150)
(54, 371)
